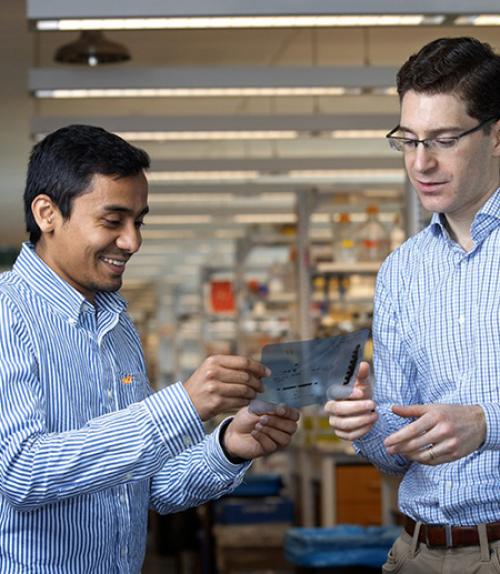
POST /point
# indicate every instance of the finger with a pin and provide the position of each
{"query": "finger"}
(349, 408)
(236, 377)
(260, 407)
(223, 393)
(413, 446)
(278, 437)
(287, 412)
(410, 410)
(348, 424)
(279, 423)
(409, 432)
(267, 445)
(242, 364)
(430, 456)
(363, 372)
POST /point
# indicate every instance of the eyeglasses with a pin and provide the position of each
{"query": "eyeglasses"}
(437, 144)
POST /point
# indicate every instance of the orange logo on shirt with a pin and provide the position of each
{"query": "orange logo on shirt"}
(127, 379)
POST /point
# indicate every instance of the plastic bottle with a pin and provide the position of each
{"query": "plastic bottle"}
(344, 247)
(373, 237)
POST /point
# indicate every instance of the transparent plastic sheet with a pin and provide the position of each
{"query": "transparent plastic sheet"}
(310, 372)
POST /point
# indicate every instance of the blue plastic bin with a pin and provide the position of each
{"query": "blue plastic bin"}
(253, 510)
(340, 546)
(259, 485)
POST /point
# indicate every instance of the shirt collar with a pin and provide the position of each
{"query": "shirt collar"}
(486, 219)
(59, 294)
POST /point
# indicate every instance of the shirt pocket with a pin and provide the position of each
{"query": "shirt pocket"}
(132, 387)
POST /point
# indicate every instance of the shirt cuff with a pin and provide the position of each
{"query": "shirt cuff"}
(492, 416)
(219, 463)
(175, 419)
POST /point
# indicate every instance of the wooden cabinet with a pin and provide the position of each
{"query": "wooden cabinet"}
(331, 488)
(358, 495)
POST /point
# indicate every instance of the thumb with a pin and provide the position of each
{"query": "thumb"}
(410, 411)
(363, 376)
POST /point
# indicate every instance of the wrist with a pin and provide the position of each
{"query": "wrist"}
(233, 459)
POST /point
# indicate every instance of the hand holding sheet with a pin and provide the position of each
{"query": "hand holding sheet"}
(310, 372)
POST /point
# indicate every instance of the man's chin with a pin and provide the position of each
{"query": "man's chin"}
(110, 286)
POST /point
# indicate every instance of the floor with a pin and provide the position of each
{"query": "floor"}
(159, 565)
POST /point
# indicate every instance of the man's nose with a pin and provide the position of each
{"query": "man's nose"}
(424, 158)
(129, 239)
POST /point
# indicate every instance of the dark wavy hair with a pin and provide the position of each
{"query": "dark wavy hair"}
(463, 66)
(64, 162)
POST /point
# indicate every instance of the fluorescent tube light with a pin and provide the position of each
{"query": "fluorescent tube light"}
(168, 234)
(75, 93)
(178, 219)
(225, 22)
(217, 198)
(265, 218)
(357, 134)
(293, 176)
(184, 198)
(200, 176)
(205, 135)
(478, 20)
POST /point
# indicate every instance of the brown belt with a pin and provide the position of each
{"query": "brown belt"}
(448, 536)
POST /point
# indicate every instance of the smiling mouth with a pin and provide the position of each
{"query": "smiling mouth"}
(118, 264)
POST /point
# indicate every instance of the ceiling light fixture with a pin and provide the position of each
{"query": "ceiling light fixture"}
(265, 218)
(228, 22)
(222, 81)
(178, 219)
(72, 93)
(200, 176)
(478, 20)
(209, 136)
(356, 134)
(92, 48)
(285, 177)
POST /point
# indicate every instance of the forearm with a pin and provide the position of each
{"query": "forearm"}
(196, 475)
(38, 468)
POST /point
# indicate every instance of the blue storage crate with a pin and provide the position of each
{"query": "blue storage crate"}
(253, 510)
(343, 545)
(259, 485)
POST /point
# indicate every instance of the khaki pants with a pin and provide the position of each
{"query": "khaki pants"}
(408, 556)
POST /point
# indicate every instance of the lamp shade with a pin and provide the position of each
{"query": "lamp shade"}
(92, 48)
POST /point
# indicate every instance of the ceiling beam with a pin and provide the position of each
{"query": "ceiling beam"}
(210, 77)
(313, 123)
(277, 165)
(51, 9)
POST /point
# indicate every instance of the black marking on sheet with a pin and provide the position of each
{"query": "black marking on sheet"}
(297, 386)
(352, 365)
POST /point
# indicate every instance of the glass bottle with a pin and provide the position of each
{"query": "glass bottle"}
(344, 247)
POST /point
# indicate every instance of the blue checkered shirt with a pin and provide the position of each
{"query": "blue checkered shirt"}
(436, 336)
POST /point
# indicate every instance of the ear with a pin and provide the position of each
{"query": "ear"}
(495, 135)
(45, 212)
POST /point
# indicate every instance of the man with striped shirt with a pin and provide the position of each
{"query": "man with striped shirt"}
(85, 446)
(435, 413)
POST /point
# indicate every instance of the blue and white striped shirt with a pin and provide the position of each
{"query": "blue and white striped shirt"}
(437, 340)
(85, 447)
